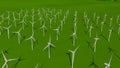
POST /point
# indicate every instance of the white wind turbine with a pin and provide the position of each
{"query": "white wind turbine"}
(18, 34)
(1, 30)
(19, 15)
(109, 36)
(57, 32)
(48, 46)
(23, 23)
(75, 15)
(94, 16)
(67, 13)
(33, 17)
(118, 17)
(61, 25)
(111, 20)
(107, 65)
(85, 17)
(8, 17)
(50, 20)
(40, 20)
(90, 30)
(55, 17)
(74, 37)
(73, 53)
(102, 24)
(44, 28)
(105, 17)
(26, 14)
(97, 20)
(64, 19)
(7, 60)
(32, 24)
(75, 26)
(118, 29)
(8, 30)
(87, 22)
(95, 42)
(14, 19)
(36, 66)
(32, 39)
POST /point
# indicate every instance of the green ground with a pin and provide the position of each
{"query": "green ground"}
(59, 58)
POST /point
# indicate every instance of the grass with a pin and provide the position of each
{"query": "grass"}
(59, 58)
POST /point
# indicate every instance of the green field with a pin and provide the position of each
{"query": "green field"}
(30, 17)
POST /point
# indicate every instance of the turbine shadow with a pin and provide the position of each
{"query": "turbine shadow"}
(20, 59)
(69, 55)
(92, 63)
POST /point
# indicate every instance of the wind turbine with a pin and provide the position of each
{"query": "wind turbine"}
(32, 24)
(33, 12)
(94, 16)
(48, 46)
(36, 66)
(57, 32)
(33, 17)
(102, 24)
(97, 20)
(19, 35)
(7, 60)
(90, 30)
(64, 19)
(32, 39)
(23, 23)
(55, 17)
(74, 37)
(109, 36)
(61, 24)
(73, 52)
(66, 13)
(8, 30)
(105, 16)
(118, 29)
(19, 15)
(75, 26)
(95, 42)
(87, 22)
(107, 65)
(14, 19)
(8, 17)
(40, 20)
(26, 14)
(118, 17)
(75, 17)
(1, 30)
(44, 28)
(111, 20)
(39, 12)
(85, 17)
(50, 20)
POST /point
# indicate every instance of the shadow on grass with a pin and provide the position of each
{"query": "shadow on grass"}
(89, 45)
(103, 37)
(115, 52)
(20, 59)
(69, 55)
(92, 63)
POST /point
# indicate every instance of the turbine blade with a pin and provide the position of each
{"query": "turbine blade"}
(46, 47)
(77, 48)
(4, 56)
(12, 59)
(3, 66)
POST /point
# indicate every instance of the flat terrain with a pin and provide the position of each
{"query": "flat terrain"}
(35, 14)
